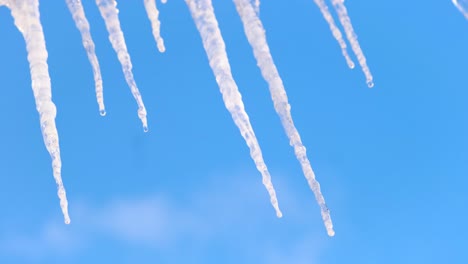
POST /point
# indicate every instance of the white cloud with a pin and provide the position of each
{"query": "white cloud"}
(224, 212)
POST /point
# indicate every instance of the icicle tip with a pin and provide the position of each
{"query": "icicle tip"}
(102, 112)
(370, 83)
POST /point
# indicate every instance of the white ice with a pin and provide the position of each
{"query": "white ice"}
(462, 5)
(153, 15)
(256, 36)
(78, 14)
(206, 23)
(352, 38)
(27, 20)
(109, 13)
(335, 30)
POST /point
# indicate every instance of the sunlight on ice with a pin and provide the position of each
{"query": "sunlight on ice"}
(256, 36)
(206, 23)
(462, 5)
(27, 19)
(153, 15)
(77, 11)
(109, 13)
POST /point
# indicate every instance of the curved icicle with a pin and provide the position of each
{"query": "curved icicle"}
(335, 31)
(352, 38)
(110, 14)
(256, 36)
(153, 15)
(206, 23)
(78, 14)
(27, 20)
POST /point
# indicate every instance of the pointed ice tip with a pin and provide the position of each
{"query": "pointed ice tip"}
(370, 83)
(67, 221)
(161, 48)
(102, 112)
(331, 233)
(145, 129)
(279, 214)
(351, 65)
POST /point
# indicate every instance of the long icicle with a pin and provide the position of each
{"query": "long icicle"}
(109, 13)
(352, 38)
(27, 20)
(256, 36)
(462, 6)
(335, 31)
(78, 14)
(153, 15)
(205, 20)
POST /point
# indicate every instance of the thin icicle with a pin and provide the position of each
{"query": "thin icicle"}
(256, 36)
(153, 15)
(462, 5)
(77, 11)
(335, 31)
(110, 14)
(26, 17)
(205, 20)
(352, 38)
(164, 1)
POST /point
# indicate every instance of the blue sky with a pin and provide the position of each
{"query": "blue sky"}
(392, 160)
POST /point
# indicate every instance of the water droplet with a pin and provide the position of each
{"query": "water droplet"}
(145, 129)
(370, 83)
(102, 112)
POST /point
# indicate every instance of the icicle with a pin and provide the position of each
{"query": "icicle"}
(164, 1)
(205, 20)
(77, 11)
(335, 31)
(352, 38)
(26, 17)
(462, 5)
(153, 14)
(256, 36)
(256, 5)
(109, 13)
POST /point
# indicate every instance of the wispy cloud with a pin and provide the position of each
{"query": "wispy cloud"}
(207, 217)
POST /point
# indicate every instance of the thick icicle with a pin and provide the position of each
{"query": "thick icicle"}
(109, 13)
(205, 20)
(352, 38)
(153, 15)
(256, 36)
(462, 5)
(77, 11)
(335, 31)
(26, 17)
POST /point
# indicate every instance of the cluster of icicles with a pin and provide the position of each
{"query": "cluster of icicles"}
(27, 20)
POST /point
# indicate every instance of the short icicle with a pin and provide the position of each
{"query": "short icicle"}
(153, 15)
(110, 14)
(81, 22)
(352, 38)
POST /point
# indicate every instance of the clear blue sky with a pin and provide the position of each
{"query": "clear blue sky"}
(392, 160)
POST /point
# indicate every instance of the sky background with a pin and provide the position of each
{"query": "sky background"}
(392, 161)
